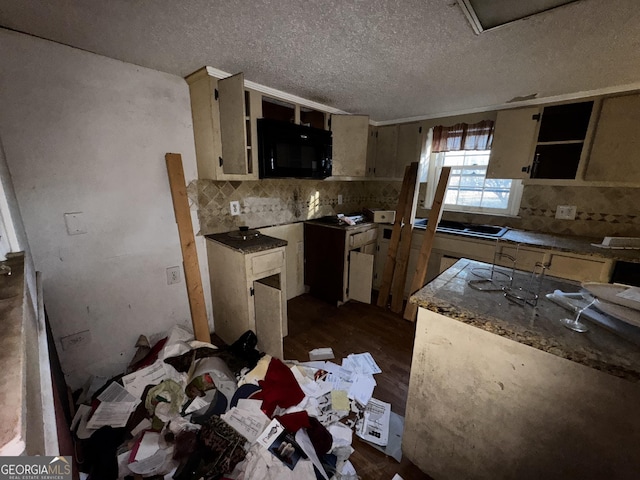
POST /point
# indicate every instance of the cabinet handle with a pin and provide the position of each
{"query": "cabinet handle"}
(534, 168)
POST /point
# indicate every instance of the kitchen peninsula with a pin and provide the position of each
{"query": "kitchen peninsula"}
(499, 390)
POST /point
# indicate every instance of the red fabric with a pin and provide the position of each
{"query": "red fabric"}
(151, 357)
(279, 388)
(294, 421)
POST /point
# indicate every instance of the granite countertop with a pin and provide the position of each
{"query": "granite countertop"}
(563, 243)
(252, 245)
(567, 243)
(342, 226)
(449, 294)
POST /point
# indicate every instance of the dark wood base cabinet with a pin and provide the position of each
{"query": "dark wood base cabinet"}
(339, 261)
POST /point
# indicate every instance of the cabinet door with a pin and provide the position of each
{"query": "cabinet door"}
(616, 146)
(513, 141)
(408, 147)
(324, 259)
(372, 146)
(232, 125)
(360, 276)
(350, 134)
(580, 269)
(206, 123)
(387, 147)
(268, 304)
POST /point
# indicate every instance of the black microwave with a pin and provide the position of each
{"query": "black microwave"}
(289, 150)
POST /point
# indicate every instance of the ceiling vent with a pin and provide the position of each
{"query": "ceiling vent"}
(489, 14)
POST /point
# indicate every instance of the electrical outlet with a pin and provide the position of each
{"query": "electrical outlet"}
(339, 199)
(75, 340)
(566, 212)
(173, 275)
(234, 208)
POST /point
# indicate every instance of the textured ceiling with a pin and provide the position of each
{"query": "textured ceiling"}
(388, 59)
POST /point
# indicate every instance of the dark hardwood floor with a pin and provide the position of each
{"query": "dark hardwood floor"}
(356, 328)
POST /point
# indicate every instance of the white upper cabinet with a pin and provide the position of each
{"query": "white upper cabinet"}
(513, 143)
(233, 125)
(396, 146)
(542, 143)
(409, 147)
(223, 127)
(386, 150)
(349, 151)
(615, 153)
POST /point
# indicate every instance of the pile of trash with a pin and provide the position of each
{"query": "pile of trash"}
(188, 410)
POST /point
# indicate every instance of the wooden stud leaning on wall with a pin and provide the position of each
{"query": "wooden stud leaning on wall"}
(403, 210)
(192, 277)
(427, 244)
(402, 258)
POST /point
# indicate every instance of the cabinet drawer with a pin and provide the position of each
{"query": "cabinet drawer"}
(359, 239)
(267, 261)
(580, 269)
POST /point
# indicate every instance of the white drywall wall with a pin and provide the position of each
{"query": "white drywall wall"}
(85, 133)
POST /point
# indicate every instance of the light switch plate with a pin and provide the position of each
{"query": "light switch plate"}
(74, 222)
(566, 212)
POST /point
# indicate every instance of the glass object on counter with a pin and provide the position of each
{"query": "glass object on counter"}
(574, 323)
(529, 292)
(491, 279)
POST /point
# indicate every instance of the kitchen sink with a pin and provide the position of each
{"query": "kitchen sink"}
(448, 226)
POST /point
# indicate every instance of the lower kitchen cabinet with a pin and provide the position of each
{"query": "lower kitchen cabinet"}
(448, 248)
(248, 292)
(339, 261)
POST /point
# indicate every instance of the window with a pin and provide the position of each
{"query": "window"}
(468, 189)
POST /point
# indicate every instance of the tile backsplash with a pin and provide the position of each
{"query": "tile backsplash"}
(278, 201)
(601, 211)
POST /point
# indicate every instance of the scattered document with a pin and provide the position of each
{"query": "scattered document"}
(115, 414)
(362, 389)
(248, 423)
(136, 382)
(116, 393)
(363, 363)
(147, 446)
(151, 465)
(270, 433)
(321, 354)
(80, 419)
(329, 414)
(339, 400)
(199, 403)
(374, 426)
(281, 444)
(145, 424)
